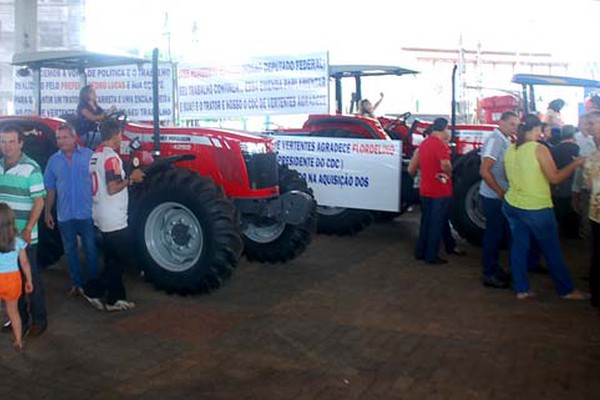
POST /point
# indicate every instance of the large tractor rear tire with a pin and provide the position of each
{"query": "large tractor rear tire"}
(466, 213)
(186, 232)
(339, 220)
(273, 241)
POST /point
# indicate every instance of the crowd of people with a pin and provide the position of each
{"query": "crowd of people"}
(530, 189)
(532, 192)
(89, 188)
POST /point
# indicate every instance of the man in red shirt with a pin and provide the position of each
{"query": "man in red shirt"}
(435, 190)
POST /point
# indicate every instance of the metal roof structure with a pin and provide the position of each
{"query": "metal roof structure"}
(72, 59)
(342, 71)
(531, 79)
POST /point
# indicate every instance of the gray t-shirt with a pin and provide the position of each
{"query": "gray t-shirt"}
(494, 147)
(586, 147)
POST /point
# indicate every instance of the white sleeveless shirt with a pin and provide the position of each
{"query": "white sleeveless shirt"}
(108, 211)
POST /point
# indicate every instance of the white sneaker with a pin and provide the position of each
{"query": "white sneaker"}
(120, 305)
(94, 301)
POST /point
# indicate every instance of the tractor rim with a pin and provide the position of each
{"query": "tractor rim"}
(473, 206)
(174, 237)
(330, 211)
(264, 233)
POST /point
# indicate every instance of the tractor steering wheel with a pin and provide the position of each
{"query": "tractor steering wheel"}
(404, 117)
(118, 115)
(401, 119)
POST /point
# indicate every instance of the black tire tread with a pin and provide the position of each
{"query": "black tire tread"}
(295, 238)
(465, 176)
(223, 248)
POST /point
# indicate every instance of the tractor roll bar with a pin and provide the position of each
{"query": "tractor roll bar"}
(155, 104)
(453, 113)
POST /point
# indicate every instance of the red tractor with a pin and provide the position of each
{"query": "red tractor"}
(467, 216)
(466, 213)
(208, 195)
(465, 210)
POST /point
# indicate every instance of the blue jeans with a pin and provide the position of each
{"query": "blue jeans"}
(117, 254)
(534, 257)
(434, 220)
(37, 299)
(495, 228)
(85, 229)
(540, 225)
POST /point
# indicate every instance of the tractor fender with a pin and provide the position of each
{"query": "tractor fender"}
(162, 163)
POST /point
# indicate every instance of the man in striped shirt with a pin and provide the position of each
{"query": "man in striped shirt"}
(22, 188)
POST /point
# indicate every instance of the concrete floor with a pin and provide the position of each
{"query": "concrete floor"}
(353, 318)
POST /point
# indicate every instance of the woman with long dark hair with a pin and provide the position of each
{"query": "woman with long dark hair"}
(89, 115)
(530, 170)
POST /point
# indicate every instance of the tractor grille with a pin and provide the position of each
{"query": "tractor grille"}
(262, 170)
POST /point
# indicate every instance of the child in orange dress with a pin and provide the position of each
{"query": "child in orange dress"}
(12, 252)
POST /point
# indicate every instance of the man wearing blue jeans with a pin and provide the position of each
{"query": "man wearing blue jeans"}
(435, 189)
(22, 188)
(492, 189)
(67, 177)
(434, 214)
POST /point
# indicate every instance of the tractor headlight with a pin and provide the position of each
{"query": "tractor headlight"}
(253, 148)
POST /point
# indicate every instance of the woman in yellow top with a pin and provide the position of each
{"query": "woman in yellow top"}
(530, 170)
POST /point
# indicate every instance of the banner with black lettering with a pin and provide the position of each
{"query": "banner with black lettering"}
(260, 86)
(351, 173)
(128, 87)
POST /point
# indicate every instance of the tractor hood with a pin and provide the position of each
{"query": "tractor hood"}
(216, 133)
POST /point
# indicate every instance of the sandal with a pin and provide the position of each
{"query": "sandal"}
(576, 295)
(525, 295)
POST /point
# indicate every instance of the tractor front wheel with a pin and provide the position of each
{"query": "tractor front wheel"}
(274, 241)
(343, 221)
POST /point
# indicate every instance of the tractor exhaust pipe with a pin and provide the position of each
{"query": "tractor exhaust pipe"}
(155, 104)
(453, 112)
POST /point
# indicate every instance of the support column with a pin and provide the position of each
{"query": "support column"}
(26, 19)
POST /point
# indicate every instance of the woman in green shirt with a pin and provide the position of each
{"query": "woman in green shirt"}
(530, 170)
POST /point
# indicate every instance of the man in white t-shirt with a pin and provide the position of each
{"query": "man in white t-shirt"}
(581, 196)
(109, 211)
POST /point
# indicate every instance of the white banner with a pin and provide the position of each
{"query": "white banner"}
(128, 87)
(353, 173)
(260, 86)
(59, 89)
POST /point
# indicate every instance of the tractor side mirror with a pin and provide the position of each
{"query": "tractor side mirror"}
(135, 144)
